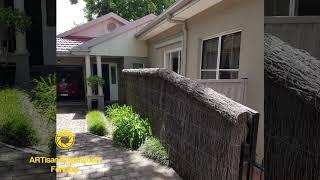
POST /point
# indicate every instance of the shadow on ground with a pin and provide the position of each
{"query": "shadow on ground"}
(14, 164)
(117, 163)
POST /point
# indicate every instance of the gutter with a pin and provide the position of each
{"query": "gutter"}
(163, 16)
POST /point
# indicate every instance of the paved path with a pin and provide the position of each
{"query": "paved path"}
(72, 118)
(14, 164)
(117, 163)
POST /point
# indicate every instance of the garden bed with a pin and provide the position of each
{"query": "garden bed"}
(20, 123)
(131, 131)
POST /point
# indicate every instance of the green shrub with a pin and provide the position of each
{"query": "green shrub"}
(131, 133)
(117, 113)
(130, 129)
(153, 149)
(96, 123)
(45, 96)
(15, 124)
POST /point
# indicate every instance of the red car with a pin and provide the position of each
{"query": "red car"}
(68, 89)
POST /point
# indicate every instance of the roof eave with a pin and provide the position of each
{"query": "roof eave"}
(163, 16)
(176, 12)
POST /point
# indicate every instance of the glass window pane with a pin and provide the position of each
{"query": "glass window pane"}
(230, 51)
(175, 62)
(228, 74)
(276, 7)
(137, 65)
(113, 75)
(210, 53)
(309, 8)
(208, 75)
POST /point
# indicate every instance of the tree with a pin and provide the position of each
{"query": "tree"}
(128, 9)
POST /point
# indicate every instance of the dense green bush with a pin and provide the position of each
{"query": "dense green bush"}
(96, 123)
(45, 96)
(15, 124)
(118, 113)
(153, 149)
(130, 129)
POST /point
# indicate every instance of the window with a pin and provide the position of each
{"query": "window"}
(173, 60)
(111, 26)
(308, 8)
(276, 7)
(291, 7)
(220, 57)
(137, 65)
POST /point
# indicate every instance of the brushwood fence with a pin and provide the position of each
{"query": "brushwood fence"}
(292, 112)
(207, 135)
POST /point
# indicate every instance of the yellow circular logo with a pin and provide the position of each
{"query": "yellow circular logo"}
(65, 139)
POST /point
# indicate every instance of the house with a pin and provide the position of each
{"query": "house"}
(295, 22)
(217, 42)
(30, 54)
(102, 47)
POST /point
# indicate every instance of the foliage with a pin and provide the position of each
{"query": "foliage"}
(153, 149)
(52, 146)
(130, 129)
(96, 123)
(94, 81)
(13, 18)
(45, 96)
(15, 125)
(128, 9)
(117, 113)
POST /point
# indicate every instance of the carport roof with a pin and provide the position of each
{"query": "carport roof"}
(65, 44)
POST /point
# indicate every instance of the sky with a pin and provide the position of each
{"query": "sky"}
(68, 15)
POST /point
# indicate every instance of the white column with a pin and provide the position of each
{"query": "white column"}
(99, 73)
(21, 46)
(88, 74)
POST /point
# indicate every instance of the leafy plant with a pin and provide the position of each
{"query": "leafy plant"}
(130, 129)
(118, 113)
(131, 133)
(13, 18)
(45, 96)
(153, 149)
(95, 81)
(96, 123)
(15, 124)
(128, 9)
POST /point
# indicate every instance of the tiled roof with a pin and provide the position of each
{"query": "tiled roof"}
(64, 45)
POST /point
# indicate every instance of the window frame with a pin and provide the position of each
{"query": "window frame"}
(217, 70)
(166, 60)
(139, 64)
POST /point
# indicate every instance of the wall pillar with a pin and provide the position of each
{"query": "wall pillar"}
(88, 74)
(21, 46)
(99, 73)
